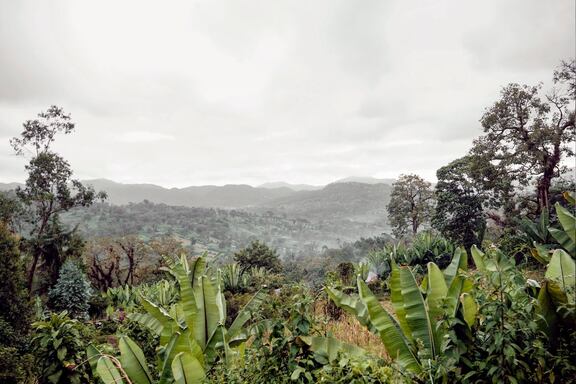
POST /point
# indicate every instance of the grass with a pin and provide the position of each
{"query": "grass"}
(349, 330)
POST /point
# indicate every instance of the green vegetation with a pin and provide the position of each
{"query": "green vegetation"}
(479, 286)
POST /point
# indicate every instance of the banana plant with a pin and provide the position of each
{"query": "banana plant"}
(413, 335)
(556, 297)
(566, 236)
(192, 333)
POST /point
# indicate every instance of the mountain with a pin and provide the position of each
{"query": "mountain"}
(294, 187)
(209, 196)
(365, 180)
(9, 186)
(360, 202)
(352, 201)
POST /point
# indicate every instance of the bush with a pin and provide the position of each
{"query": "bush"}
(72, 291)
(59, 345)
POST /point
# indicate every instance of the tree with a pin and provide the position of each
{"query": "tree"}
(49, 189)
(258, 255)
(14, 306)
(411, 204)
(113, 262)
(72, 291)
(15, 311)
(527, 135)
(459, 213)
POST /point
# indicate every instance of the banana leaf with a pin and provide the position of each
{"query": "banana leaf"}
(351, 304)
(417, 315)
(236, 332)
(107, 371)
(389, 331)
(459, 261)
(133, 361)
(469, 309)
(327, 349)
(398, 301)
(186, 369)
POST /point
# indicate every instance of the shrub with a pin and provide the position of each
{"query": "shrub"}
(59, 346)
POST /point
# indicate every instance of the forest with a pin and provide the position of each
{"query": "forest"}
(476, 283)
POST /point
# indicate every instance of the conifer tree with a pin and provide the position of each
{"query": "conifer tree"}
(72, 291)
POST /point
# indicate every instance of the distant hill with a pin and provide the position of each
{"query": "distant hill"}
(365, 180)
(9, 186)
(294, 187)
(209, 196)
(338, 201)
(361, 202)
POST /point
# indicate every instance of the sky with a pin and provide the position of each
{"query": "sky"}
(181, 93)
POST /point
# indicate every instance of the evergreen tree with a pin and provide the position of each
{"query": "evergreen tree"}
(72, 291)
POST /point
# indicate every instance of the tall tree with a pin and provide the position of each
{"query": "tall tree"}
(459, 214)
(411, 204)
(49, 188)
(528, 134)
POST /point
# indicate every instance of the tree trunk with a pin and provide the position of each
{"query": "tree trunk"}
(32, 272)
(543, 189)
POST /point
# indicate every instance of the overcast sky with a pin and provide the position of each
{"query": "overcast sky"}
(183, 93)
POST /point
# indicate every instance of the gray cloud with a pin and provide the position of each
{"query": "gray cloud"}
(249, 91)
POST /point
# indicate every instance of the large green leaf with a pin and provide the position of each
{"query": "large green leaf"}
(237, 333)
(133, 361)
(327, 349)
(351, 304)
(567, 220)
(216, 342)
(479, 258)
(417, 314)
(157, 320)
(179, 343)
(436, 293)
(541, 253)
(563, 239)
(93, 355)
(107, 371)
(469, 309)
(208, 313)
(459, 261)
(389, 330)
(562, 269)
(547, 311)
(398, 300)
(186, 369)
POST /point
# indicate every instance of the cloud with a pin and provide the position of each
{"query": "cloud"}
(248, 91)
(143, 137)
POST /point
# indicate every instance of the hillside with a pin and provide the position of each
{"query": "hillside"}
(218, 231)
(357, 202)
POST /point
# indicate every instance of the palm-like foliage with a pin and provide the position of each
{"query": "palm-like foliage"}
(192, 333)
(413, 335)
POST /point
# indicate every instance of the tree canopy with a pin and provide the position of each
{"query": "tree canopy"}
(258, 255)
(529, 133)
(411, 204)
(459, 204)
